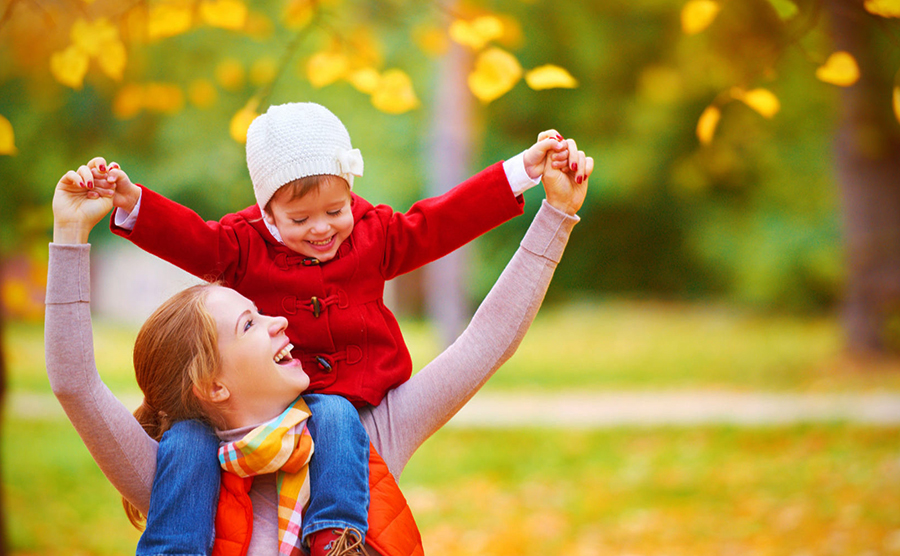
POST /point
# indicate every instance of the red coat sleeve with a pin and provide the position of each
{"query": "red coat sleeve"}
(439, 225)
(175, 233)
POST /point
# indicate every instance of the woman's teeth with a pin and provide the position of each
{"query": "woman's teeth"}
(284, 354)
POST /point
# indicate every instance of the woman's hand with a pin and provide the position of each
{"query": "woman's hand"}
(77, 206)
(565, 178)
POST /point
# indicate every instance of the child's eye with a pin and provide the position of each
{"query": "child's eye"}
(335, 212)
(298, 220)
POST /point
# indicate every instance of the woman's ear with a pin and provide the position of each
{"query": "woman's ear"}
(216, 393)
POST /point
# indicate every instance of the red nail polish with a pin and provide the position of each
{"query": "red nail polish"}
(90, 185)
(559, 137)
(102, 168)
(81, 184)
(574, 167)
(579, 179)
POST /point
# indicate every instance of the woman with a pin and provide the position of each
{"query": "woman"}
(246, 382)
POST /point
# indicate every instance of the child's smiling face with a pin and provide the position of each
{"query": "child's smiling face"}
(317, 223)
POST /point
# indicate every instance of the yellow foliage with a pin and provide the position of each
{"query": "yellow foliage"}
(762, 100)
(242, 119)
(165, 98)
(394, 93)
(839, 69)
(168, 20)
(7, 137)
(70, 66)
(324, 68)
(364, 48)
(202, 93)
(225, 14)
(661, 84)
(298, 13)
(230, 74)
(884, 8)
(431, 40)
(365, 80)
(697, 15)
(896, 102)
(477, 32)
(258, 26)
(112, 59)
(706, 125)
(129, 101)
(92, 37)
(496, 72)
(263, 70)
(550, 77)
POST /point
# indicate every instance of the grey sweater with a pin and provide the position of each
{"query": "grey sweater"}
(407, 416)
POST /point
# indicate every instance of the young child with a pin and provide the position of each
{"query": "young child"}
(312, 250)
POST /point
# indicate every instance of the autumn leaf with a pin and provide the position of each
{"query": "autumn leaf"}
(430, 39)
(786, 9)
(897, 102)
(324, 68)
(92, 37)
(7, 137)
(230, 74)
(164, 98)
(263, 70)
(496, 72)
(129, 101)
(298, 13)
(394, 93)
(241, 121)
(202, 93)
(477, 32)
(365, 80)
(70, 66)
(224, 14)
(697, 15)
(168, 20)
(550, 77)
(884, 8)
(839, 69)
(706, 125)
(112, 59)
(762, 100)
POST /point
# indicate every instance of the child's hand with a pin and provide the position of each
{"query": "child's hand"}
(565, 178)
(77, 206)
(113, 181)
(547, 142)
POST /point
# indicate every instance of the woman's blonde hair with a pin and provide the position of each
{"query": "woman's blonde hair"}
(175, 351)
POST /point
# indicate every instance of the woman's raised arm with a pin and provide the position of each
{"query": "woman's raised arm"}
(117, 442)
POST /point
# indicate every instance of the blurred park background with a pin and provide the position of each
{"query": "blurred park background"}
(741, 235)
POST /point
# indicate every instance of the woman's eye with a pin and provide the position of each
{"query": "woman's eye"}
(248, 324)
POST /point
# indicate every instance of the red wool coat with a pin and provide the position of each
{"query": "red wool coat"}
(347, 340)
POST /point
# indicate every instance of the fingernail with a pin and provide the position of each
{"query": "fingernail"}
(559, 137)
(90, 185)
(103, 168)
(574, 167)
(579, 179)
(81, 184)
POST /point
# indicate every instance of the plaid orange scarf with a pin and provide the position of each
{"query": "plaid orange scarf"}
(282, 446)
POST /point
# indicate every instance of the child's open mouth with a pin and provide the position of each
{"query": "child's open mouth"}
(321, 244)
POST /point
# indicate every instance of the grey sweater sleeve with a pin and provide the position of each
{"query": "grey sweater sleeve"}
(413, 411)
(118, 443)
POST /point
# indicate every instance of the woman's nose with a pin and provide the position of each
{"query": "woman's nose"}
(277, 324)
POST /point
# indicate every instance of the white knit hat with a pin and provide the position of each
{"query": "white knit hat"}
(295, 140)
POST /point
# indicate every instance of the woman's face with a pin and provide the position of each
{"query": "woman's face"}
(257, 368)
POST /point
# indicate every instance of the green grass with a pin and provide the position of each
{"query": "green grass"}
(800, 490)
(593, 346)
(714, 490)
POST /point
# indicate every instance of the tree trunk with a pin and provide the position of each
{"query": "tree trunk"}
(867, 158)
(445, 291)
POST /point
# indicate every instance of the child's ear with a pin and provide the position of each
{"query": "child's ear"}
(216, 393)
(269, 218)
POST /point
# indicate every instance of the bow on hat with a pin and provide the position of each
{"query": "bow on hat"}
(350, 161)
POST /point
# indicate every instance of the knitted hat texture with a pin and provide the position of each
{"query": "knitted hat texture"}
(295, 140)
